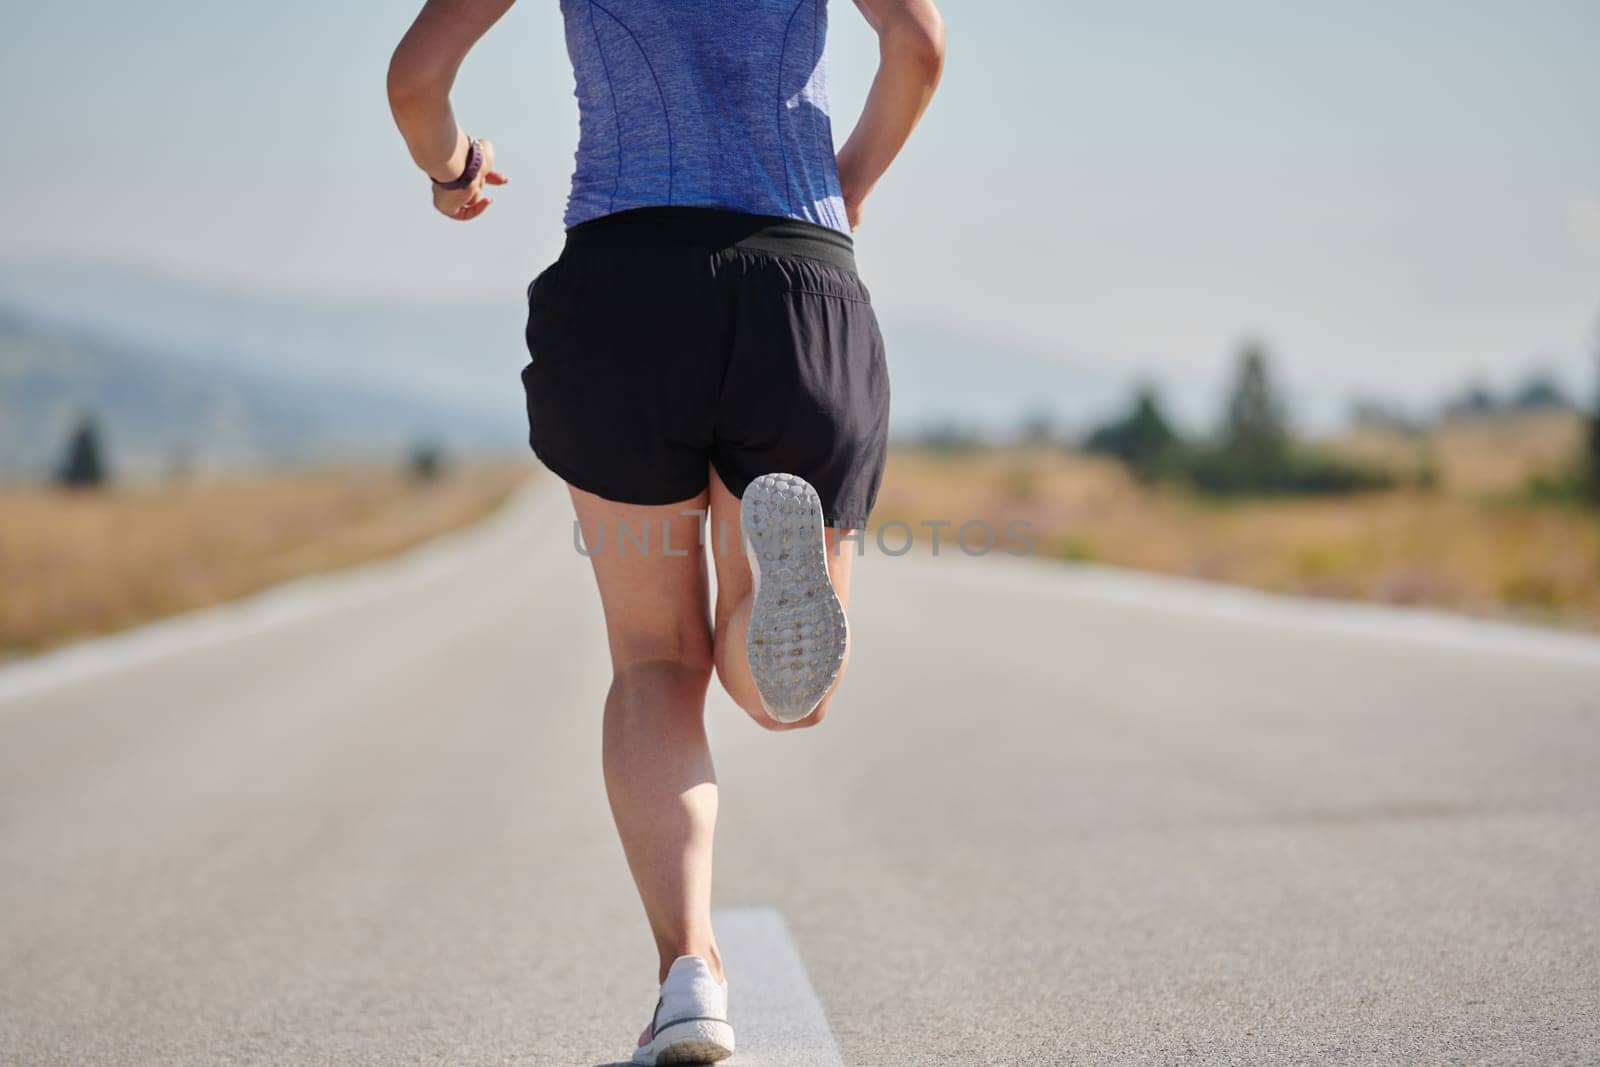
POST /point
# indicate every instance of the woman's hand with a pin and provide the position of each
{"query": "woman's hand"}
(464, 205)
(850, 188)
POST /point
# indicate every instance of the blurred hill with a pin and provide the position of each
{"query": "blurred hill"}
(455, 352)
(187, 374)
(162, 410)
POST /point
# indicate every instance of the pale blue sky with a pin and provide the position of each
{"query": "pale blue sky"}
(1396, 195)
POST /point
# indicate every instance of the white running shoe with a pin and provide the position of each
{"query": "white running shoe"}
(691, 1020)
(798, 632)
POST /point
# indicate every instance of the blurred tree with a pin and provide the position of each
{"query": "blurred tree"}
(84, 465)
(1255, 431)
(1579, 482)
(1142, 438)
(1256, 454)
(1594, 430)
(1541, 393)
(1475, 399)
(426, 462)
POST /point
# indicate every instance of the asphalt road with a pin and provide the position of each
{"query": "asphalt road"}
(1057, 816)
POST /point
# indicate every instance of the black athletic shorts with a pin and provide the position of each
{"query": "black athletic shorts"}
(668, 341)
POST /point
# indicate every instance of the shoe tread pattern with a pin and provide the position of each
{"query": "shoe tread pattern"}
(798, 632)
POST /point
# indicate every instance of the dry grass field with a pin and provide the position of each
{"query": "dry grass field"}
(1479, 550)
(74, 564)
(1482, 454)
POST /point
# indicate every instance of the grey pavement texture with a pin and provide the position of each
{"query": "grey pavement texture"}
(1056, 816)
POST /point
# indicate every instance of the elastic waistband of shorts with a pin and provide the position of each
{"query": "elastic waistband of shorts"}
(714, 229)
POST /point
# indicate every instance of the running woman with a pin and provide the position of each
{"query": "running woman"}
(703, 347)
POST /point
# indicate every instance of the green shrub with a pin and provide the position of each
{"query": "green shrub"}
(1142, 438)
(1223, 471)
(84, 464)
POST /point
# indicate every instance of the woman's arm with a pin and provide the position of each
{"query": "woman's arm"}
(420, 77)
(910, 58)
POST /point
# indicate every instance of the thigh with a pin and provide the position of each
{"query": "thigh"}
(733, 570)
(651, 569)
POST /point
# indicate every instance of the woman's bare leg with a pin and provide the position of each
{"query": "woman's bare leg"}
(659, 778)
(734, 587)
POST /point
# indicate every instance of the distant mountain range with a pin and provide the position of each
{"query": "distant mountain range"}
(179, 371)
(211, 377)
(157, 410)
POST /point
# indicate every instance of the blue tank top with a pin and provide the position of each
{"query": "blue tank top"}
(703, 103)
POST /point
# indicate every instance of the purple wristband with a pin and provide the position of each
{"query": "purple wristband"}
(474, 164)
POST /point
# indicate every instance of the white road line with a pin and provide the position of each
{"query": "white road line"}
(777, 1019)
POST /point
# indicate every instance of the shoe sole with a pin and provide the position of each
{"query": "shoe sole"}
(693, 1041)
(798, 632)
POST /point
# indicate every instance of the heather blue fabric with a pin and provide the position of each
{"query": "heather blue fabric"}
(708, 103)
